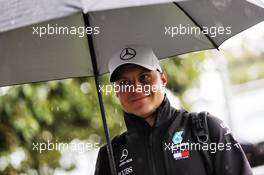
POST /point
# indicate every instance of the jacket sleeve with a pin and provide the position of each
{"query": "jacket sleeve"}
(231, 160)
(102, 163)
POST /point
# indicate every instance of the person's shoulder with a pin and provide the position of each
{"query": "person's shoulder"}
(120, 139)
(217, 128)
(116, 141)
(213, 122)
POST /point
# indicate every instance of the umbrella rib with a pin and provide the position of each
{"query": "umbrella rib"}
(100, 98)
(190, 17)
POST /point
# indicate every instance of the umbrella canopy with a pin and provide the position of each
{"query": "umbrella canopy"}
(24, 38)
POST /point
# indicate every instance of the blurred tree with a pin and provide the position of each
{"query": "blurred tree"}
(183, 73)
(246, 64)
(53, 111)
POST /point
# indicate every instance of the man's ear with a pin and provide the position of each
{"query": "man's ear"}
(163, 78)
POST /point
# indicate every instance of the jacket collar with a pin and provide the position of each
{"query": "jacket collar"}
(163, 114)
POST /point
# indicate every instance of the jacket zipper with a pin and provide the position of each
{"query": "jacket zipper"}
(151, 160)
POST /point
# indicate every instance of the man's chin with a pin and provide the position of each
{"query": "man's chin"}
(143, 113)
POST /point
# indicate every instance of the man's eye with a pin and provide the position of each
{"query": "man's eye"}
(145, 78)
(125, 82)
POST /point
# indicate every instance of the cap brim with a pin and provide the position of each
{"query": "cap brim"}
(113, 76)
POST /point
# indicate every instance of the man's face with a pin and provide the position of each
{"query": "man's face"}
(147, 94)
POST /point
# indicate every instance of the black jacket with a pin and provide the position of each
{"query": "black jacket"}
(162, 150)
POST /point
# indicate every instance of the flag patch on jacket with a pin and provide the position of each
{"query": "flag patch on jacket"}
(181, 155)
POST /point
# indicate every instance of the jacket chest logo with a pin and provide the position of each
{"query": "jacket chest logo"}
(177, 148)
(124, 155)
(125, 160)
(177, 137)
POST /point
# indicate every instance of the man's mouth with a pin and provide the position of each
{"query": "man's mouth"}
(139, 98)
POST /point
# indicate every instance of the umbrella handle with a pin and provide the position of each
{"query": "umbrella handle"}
(102, 109)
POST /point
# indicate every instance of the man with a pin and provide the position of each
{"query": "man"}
(160, 139)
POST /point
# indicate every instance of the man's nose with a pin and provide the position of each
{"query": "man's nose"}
(138, 86)
(137, 83)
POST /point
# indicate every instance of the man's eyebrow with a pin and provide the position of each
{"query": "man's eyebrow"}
(122, 77)
(140, 73)
(144, 71)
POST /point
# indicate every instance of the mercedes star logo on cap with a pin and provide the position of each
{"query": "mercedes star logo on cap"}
(127, 54)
